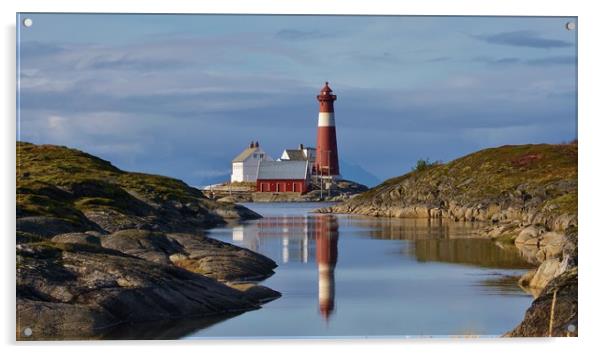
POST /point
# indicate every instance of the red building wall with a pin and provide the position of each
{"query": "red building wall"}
(282, 185)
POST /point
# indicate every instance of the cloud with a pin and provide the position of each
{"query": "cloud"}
(385, 57)
(496, 61)
(131, 104)
(523, 39)
(124, 62)
(463, 82)
(555, 60)
(170, 105)
(35, 48)
(298, 35)
(438, 59)
(545, 61)
(58, 127)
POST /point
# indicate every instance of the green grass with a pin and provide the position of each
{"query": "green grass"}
(492, 172)
(62, 182)
(565, 204)
(42, 205)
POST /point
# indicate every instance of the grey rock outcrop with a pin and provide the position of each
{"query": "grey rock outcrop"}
(564, 321)
(47, 226)
(196, 253)
(98, 247)
(73, 290)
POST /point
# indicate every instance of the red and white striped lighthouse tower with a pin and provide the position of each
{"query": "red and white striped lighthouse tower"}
(327, 156)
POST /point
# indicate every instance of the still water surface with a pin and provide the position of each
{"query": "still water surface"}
(360, 276)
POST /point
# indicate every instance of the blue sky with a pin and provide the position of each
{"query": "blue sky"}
(181, 95)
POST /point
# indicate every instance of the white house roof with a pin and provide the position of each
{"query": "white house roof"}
(245, 154)
(282, 170)
(292, 154)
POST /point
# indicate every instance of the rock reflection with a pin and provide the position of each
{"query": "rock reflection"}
(162, 330)
(314, 238)
(416, 229)
(445, 241)
(479, 252)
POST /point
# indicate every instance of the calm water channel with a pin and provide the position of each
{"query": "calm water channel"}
(360, 276)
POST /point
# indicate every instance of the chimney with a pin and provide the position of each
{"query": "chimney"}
(300, 146)
(257, 144)
(252, 144)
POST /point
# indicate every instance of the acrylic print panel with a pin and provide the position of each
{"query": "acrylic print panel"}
(185, 177)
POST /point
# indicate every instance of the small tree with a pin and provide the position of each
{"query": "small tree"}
(424, 164)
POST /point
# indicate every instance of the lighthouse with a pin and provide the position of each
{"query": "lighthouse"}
(327, 156)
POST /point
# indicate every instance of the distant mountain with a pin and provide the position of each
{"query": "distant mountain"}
(206, 181)
(356, 173)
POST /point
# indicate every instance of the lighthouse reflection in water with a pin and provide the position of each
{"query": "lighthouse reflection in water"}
(327, 238)
(302, 238)
(347, 275)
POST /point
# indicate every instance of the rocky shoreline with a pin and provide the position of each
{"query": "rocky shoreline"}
(340, 190)
(99, 248)
(524, 195)
(73, 288)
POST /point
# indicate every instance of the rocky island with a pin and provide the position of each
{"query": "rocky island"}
(524, 195)
(241, 192)
(98, 247)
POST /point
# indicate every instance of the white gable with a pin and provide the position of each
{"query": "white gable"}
(245, 165)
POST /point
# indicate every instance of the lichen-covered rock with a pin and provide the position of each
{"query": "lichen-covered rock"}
(495, 185)
(93, 249)
(196, 253)
(48, 226)
(255, 292)
(62, 190)
(546, 272)
(68, 290)
(78, 237)
(538, 317)
(528, 233)
(525, 280)
(552, 244)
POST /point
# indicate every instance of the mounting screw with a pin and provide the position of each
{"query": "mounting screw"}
(28, 22)
(27, 332)
(570, 26)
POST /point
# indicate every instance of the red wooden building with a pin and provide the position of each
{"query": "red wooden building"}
(283, 177)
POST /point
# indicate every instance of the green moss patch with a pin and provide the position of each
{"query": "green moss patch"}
(61, 182)
(489, 174)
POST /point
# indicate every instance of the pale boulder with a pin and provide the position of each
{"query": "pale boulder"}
(528, 233)
(552, 244)
(547, 271)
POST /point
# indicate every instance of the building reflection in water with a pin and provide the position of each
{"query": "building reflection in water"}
(292, 239)
(299, 241)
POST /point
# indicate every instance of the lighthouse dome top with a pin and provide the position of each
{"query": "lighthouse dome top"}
(326, 88)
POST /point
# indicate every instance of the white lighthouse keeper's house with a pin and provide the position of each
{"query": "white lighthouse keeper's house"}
(245, 165)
